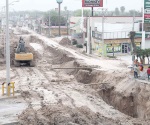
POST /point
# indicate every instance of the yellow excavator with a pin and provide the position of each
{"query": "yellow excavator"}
(21, 56)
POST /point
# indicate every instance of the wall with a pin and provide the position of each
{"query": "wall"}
(147, 43)
(54, 31)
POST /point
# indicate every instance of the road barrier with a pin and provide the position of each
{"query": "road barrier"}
(11, 86)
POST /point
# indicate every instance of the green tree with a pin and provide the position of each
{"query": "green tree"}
(147, 52)
(85, 12)
(122, 9)
(78, 12)
(132, 12)
(65, 8)
(54, 17)
(142, 53)
(117, 12)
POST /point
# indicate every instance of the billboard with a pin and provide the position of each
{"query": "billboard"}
(92, 3)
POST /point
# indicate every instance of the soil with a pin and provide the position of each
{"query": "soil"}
(56, 95)
(65, 41)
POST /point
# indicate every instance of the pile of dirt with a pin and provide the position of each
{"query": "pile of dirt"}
(65, 41)
(59, 57)
(63, 115)
(84, 76)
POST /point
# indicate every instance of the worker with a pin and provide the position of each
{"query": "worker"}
(148, 72)
(135, 68)
(141, 66)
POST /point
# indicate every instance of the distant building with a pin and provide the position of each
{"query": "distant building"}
(116, 32)
(54, 30)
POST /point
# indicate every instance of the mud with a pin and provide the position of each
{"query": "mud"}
(65, 41)
(104, 83)
(78, 96)
(62, 115)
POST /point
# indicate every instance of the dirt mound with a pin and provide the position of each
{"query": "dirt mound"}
(62, 115)
(65, 41)
(59, 57)
(84, 76)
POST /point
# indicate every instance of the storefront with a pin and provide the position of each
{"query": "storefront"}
(110, 48)
(115, 46)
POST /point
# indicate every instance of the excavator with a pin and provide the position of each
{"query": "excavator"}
(21, 56)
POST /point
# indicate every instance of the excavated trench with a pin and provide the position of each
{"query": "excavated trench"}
(115, 88)
(133, 102)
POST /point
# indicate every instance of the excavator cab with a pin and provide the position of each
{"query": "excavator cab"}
(21, 56)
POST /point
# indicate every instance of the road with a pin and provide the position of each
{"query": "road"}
(40, 88)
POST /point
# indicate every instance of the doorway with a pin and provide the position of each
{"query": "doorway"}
(125, 47)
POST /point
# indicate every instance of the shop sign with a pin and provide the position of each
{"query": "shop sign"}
(146, 11)
(92, 3)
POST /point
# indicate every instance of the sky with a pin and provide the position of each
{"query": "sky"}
(45, 5)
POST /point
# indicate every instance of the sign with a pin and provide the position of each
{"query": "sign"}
(146, 4)
(92, 3)
(146, 11)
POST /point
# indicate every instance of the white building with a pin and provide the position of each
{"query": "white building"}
(116, 32)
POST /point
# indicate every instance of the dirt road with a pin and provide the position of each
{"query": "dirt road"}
(70, 96)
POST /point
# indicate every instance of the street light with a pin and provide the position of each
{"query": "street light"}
(104, 10)
(59, 2)
(8, 44)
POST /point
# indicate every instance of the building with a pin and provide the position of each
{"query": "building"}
(116, 32)
(116, 37)
(54, 30)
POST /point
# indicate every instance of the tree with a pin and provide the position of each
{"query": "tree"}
(117, 12)
(78, 12)
(54, 17)
(132, 12)
(65, 8)
(122, 9)
(132, 35)
(147, 54)
(142, 53)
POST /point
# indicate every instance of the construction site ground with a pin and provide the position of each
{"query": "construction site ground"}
(69, 87)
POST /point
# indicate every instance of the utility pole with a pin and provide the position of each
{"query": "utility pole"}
(67, 22)
(133, 20)
(49, 25)
(59, 20)
(89, 37)
(82, 27)
(143, 32)
(102, 32)
(7, 47)
(103, 43)
(92, 12)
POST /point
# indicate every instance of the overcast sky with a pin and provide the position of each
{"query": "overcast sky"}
(45, 5)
